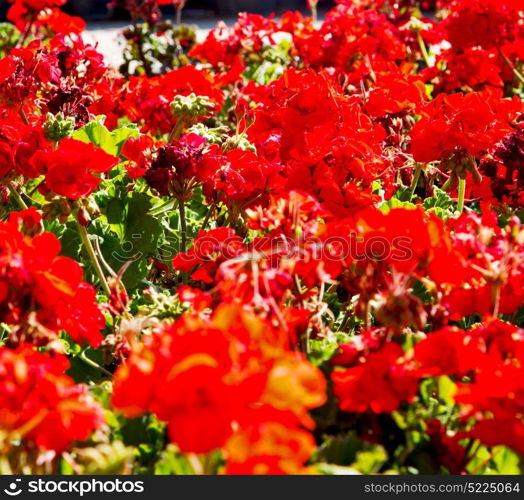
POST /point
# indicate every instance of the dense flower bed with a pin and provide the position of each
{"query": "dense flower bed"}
(292, 247)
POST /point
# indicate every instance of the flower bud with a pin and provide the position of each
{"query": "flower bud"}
(190, 108)
(58, 127)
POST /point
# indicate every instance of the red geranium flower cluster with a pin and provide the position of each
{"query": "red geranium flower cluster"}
(41, 292)
(486, 23)
(223, 45)
(148, 100)
(471, 123)
(352, 40)
(70, 169)
(40, 403)
(230, 382)
(18, 143)
(284, 203)
(306, 123)
(490, 356)
(44, 15)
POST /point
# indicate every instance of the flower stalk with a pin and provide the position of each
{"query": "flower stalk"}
(415, 181)
(16, 196)
(84, 236)
(461, 194)
(183, 225)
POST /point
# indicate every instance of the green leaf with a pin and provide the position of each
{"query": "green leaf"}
(115, 213)
(446, 389)
(440, 204)
(397, 201)
(370, 460)
(506, 461)
(425, 389)
(70, 242)
(127, 233)
(336, 470)
(172, 462)
(96, 133)
(142, 232)
(81, 372)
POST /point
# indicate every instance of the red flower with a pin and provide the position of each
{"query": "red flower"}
(269, 448)
(496, 398)
(223, 45)
(486, 23)
(18, 143)
(41, 404)
(209, 250)
(450, 453)
(396, 91)
(448, 352)
(148, 100)
(495, 274)
(175, 167)
(5, 158)
(28, 71)
(70, 169)
(352, 40)
(60, 22)
(40, 4)
(307, 124)
(473, 123)
(210, 379)
(379, 382)
(181, 375)
(43, 292)
(236, 176)
(195, 398)
(139, 152)
(7, 67)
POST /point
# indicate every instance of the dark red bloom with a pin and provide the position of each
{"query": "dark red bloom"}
(174, 170)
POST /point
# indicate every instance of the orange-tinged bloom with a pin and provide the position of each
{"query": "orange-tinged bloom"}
(269, 448)
(41, 404)
(209, 378)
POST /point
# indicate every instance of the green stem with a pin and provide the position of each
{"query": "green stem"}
(23, 116)
(177, 131)
(5, 466)
(516, 72)
(461, 194)
(82, 231)
(208, 215)
(414, 182)
(16, 196)
(424, 51)
(345, 321)
(183, 225)
(208, 464)
(164, 207)
(314, 13)
(495, 292)
(447, 183)
(28, 29)
(140, 45)
(94, 364)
